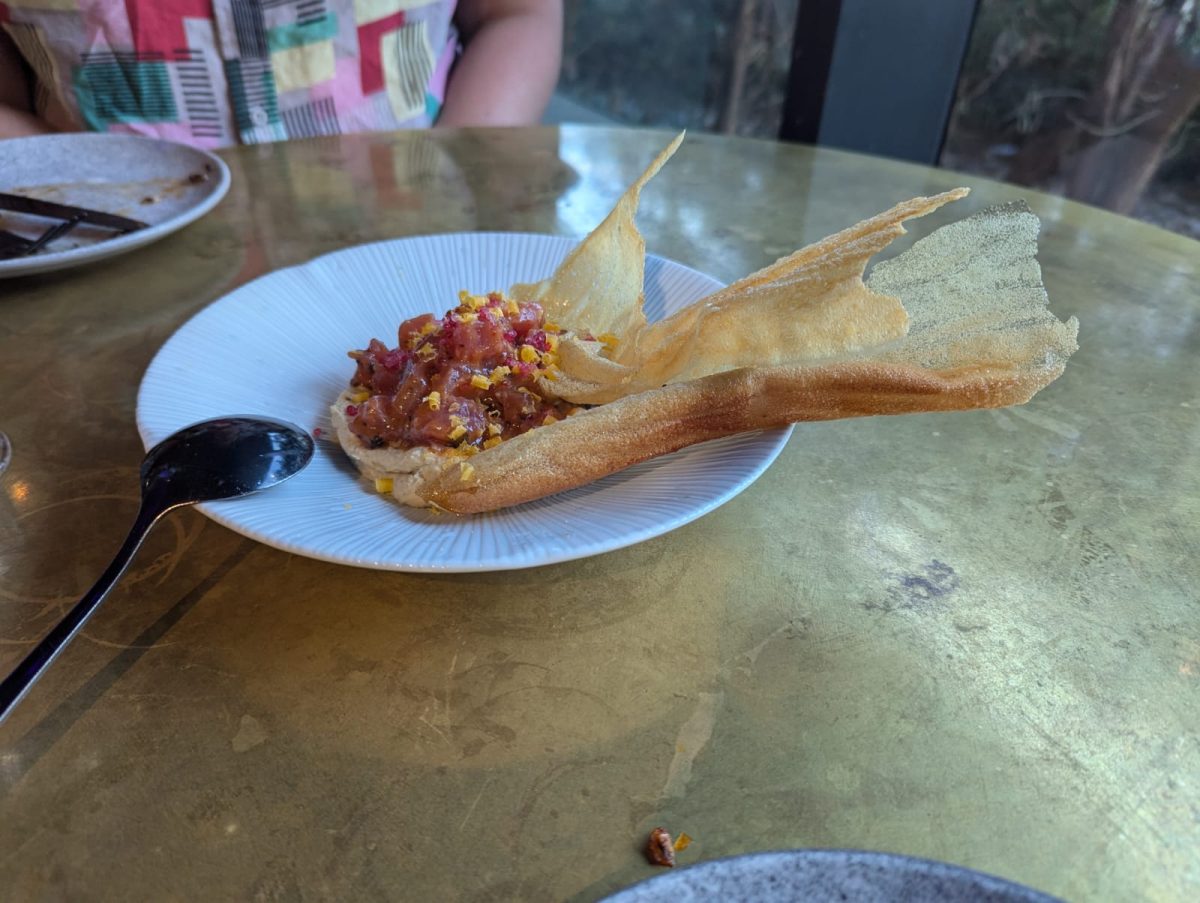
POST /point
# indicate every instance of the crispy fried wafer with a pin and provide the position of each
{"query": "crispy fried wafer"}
(599, 286)
(958, 321)
(617, 435)
(811, 305)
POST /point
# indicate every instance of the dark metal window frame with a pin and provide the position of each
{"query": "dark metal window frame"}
(876, 76)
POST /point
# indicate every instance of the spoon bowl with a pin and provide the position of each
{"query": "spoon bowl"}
(224, 458)
(215, 459)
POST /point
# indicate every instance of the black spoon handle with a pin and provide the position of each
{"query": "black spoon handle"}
(31, 667)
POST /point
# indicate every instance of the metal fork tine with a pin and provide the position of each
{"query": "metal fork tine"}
(19, 203)
(12, 245)
(51, 234)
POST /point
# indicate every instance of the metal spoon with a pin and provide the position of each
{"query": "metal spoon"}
(216, 459)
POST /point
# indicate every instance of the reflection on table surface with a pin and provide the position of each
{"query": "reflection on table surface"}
(969, 637)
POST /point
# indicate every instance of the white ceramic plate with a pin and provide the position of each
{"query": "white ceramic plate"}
(277, 346)
(826, 876)
(158, 182)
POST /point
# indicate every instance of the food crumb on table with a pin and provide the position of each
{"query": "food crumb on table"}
(659, 848)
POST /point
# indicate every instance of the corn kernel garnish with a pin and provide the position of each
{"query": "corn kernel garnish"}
(360, 396)
(383, 485)
(467, 316)
(552, 372)
(434, 400)
(479, 381)
(426, 352)
(429, 328)
(500, 373)
(494, 429)
(552, 327)
(466, 471)
(529, 354)
(511, 307)
(457, 433)
(493, 442)
(552, 341)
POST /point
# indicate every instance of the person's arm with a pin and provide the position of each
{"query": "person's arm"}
(16, 118)
(509, 65)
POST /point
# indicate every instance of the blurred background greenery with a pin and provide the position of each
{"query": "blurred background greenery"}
(1097, 100)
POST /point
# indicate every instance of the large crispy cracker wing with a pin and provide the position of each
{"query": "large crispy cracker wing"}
(974, 293)
(598, 288)
(811, 305)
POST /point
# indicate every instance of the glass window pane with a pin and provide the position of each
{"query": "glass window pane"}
(714, 65)
(1097, 101)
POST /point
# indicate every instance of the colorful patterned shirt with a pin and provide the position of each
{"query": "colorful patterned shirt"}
(219, 72)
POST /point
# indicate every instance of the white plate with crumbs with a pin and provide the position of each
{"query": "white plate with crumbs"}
(163, 184)
(277, 346)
